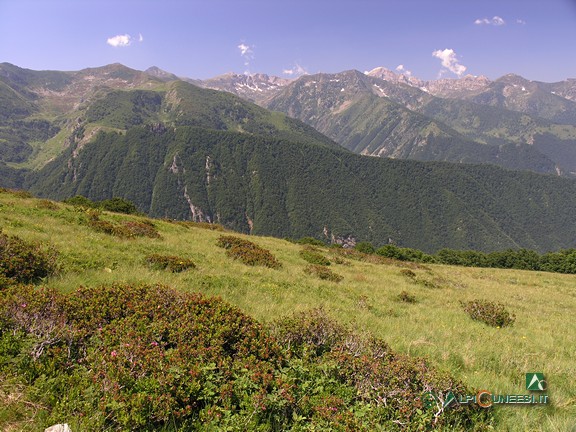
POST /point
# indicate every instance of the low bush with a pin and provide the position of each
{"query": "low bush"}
(365, 247)
(47, 205)
(26, 262)
(310, 241)
(171, 263)
(404, 254)
(408, 273)
(145, 357)
(81, 201)
(314, 257)
(118, 205)
(247, 252)
(378, 377)
(490, 313)
(124, 229)
(406, 297)
(143, 228)
(323, 273)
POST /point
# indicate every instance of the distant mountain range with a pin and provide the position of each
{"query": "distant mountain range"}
(511, 122)
(182, 151)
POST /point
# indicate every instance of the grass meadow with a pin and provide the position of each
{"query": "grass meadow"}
(542, 339)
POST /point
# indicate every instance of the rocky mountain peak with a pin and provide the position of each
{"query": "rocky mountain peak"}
(155, 71)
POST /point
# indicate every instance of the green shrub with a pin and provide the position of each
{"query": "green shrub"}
(118, 205)
(81, 201)
(26, 262)
(247, 252)
(171, 263)
(314, 257)
(365, 247)
(490, 313)
(404, 254)
(323, 273)
(310, 241)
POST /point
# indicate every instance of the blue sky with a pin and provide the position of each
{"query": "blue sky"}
(201, 39)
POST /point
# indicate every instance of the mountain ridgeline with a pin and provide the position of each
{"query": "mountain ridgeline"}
(378, 117)
(181, 151)
(283, 188)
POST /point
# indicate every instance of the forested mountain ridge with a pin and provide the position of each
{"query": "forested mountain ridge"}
(262, 185)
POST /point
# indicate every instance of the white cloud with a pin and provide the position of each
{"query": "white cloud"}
(120, 41)
(450, 61)
(401, 69)
(245, 49)
(297, 70)
(140, 38)
(520, 21)
(247, 53)
(495, 21)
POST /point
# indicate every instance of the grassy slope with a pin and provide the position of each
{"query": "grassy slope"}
(542, 339)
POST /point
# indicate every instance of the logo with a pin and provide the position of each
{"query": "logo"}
(535, 381)
(484, 398)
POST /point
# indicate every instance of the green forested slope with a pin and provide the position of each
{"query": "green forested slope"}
(282, 188)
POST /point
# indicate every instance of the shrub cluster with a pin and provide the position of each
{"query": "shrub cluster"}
(116, 204)
(323, 273)
(25, 262)
(310, 241)
(404, 254)
(491, 313)
(145, 357)
(247, 252)
(406, 297)
(124, 229)
(312, 256)
(171, 263)
(378, 377)
(563, 261)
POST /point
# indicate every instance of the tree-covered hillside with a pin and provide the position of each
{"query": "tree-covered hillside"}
(270, 186)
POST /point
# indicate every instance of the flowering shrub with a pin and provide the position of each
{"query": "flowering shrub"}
(145, 357)
(25, 262)
(171, 263)
(247, 252)
(491, 313)
(323, 272)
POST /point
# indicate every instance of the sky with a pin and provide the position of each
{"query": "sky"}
(201, 39)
